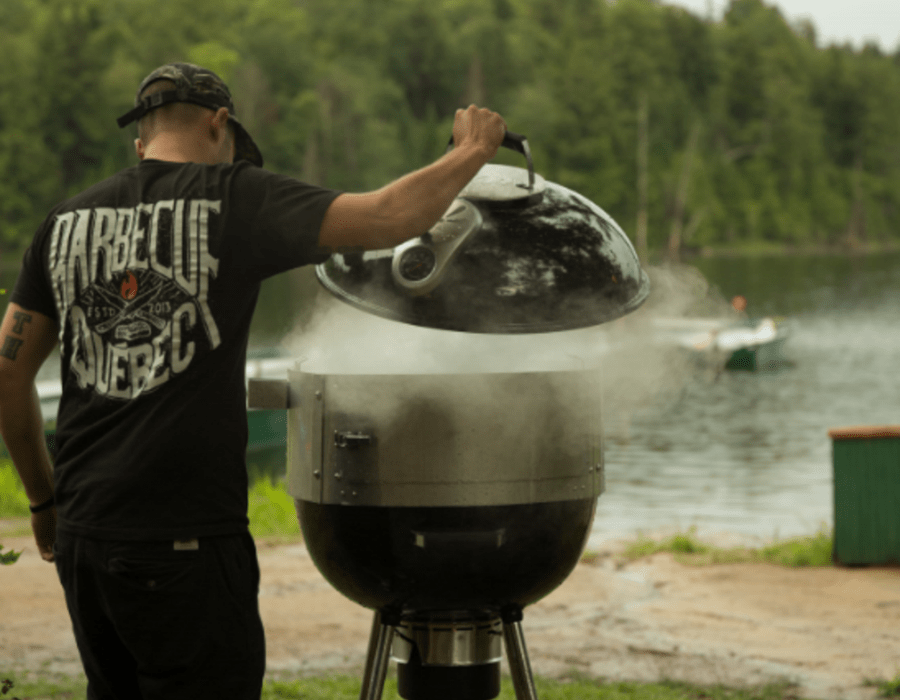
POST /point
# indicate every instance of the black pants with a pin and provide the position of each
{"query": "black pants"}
(156, 620)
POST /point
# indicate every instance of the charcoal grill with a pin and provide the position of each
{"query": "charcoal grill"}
(447, 503)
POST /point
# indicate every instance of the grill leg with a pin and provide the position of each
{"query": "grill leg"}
(517, 654)
(378, 655)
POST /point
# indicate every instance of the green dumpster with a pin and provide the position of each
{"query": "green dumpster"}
(866, 463)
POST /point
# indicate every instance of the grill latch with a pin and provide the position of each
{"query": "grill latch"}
(351, 440)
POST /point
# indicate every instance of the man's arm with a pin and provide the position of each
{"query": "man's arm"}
(26, 339)
(411, 205)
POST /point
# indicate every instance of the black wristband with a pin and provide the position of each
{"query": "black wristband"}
(43, 506)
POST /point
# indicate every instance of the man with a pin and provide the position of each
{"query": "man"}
(148, 280)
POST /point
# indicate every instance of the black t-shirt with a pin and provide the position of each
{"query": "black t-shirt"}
(152, 276)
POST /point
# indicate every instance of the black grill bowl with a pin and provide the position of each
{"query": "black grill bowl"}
(446, 558)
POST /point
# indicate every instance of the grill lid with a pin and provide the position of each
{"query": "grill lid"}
(513, 254)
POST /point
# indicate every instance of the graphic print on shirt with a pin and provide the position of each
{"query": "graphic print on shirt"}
(132, 288)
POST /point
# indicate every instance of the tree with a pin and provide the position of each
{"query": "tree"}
(728, 133)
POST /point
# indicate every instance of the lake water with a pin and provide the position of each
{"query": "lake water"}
(733, 452)
(749, 453)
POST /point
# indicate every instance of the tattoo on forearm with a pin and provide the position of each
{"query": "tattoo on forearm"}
(21, 319)
(11, 347)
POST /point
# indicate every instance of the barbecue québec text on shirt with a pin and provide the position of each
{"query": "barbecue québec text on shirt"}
(130, 285)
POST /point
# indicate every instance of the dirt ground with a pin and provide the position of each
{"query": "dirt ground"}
(826, 630)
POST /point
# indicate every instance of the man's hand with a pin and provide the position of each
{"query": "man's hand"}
(479, 128)
(43, 525)
(408, 207)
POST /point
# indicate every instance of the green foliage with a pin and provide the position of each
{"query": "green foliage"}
(6, 685)
(890, 689)
(801, 551)
(886, 688)
(681, 543)
(794, 144)
(13, 501)
(7, 558)
(42, 685)
(327, 688)
(271, 510)
(341, 687)
(688, 549)
(13, 504)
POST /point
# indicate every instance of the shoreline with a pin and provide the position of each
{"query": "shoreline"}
(786, 249)
(658, 256)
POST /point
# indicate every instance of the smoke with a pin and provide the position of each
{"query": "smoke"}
(340, 339)
(645, 366)
(469, 439)
(636, 365)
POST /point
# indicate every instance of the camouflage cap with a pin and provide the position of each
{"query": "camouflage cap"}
(199, 86)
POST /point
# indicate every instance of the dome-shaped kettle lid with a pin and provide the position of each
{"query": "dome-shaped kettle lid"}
(513, 254)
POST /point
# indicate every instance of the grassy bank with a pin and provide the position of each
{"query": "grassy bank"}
(271, 508)
(761, 248)
(687, 548)
(272, 515)
(344, 687)
(271, 511)
(13, 501)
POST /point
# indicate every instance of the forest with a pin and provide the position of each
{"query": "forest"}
(696, 135)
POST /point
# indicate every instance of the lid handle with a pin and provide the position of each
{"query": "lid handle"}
(519, 144)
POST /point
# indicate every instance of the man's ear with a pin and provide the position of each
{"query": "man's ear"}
(219, 122)
(139, 148)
